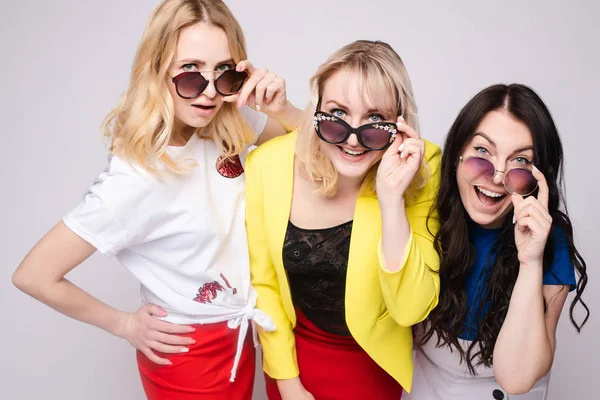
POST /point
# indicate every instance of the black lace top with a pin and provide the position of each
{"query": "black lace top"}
(316, 261)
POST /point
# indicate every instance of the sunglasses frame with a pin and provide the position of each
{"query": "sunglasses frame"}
(496, 171)
(176, 79)
(390, 127)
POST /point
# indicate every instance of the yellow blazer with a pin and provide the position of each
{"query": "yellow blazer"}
(381, 306)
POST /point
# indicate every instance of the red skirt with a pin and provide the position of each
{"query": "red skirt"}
(335, 367)
(203, 372)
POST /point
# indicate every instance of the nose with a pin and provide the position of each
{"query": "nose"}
(210, 90)
(353, 140)
(498, 177)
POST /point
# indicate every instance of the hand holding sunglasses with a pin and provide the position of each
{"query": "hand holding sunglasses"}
(399, 165)
(532, 223)
(264, 90)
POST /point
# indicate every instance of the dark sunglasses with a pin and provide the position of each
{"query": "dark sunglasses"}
(190, 85)
(479, 171)
(334, 130)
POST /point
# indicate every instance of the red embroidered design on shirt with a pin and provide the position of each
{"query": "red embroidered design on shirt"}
(230, 167)
(228, 285)
(208, 292)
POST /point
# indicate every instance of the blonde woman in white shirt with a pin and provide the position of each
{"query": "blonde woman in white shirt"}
(170, 206)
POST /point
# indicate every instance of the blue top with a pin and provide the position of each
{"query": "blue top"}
(561, 272)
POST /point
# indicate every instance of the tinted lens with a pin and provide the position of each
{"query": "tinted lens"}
(191, 85)
(230, 82)
(478, 171)
(332, 132)
(375, 138)
(520, 181)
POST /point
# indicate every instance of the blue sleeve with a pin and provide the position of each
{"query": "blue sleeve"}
(561, 272)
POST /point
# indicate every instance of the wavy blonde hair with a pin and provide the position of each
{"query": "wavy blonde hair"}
(379, 72)
(142, 125)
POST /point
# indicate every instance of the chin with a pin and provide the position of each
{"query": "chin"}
(353, 169)
(199, 122)
(194, 119)
(488, 220)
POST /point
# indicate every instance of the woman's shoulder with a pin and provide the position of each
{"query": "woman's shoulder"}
(274, 150)
(122, 179)
(433, 152)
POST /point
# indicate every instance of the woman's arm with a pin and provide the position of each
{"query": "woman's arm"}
(41, 275)
(408, 260)
(524, 350)
(281, 122)
(279, 346)
(265, 91)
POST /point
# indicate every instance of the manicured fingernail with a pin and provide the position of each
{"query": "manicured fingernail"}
(191, 341)
(257, 107)
(191, 329)
(168, 362)
(402, 118)
(402, 155)
(184, 350)
(513, 219)
(401, 147)
(535, 169)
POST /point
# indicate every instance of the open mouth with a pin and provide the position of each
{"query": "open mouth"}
(352, 153)
(487, 197)
(200, 106)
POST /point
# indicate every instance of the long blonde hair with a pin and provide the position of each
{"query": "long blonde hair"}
(142, 125)
(381, 75)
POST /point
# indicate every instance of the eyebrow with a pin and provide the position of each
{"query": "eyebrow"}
(369, 111)
(336, 103)
(200, 62)
(486, 137)
(522, 149)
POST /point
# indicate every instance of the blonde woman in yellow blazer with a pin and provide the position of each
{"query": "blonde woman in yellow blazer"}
(343, 270)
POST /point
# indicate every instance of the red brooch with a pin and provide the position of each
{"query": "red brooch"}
(230, 167)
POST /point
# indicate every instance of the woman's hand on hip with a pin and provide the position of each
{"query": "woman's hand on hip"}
(148, 334)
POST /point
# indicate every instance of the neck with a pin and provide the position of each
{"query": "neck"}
(181, 133)
(348, 186)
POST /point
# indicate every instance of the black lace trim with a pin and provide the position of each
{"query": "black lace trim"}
(316, 261)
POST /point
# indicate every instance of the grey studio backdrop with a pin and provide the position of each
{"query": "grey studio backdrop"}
(65, 63)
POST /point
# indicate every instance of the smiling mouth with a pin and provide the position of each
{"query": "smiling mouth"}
(487, 197)
(352, 153)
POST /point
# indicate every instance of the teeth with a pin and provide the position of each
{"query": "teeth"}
(352, 153)
(488, 193)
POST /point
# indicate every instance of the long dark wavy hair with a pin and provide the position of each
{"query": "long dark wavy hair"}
(452, 240)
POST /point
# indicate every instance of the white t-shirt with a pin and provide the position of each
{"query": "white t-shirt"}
(182, 236)
(439, 375)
